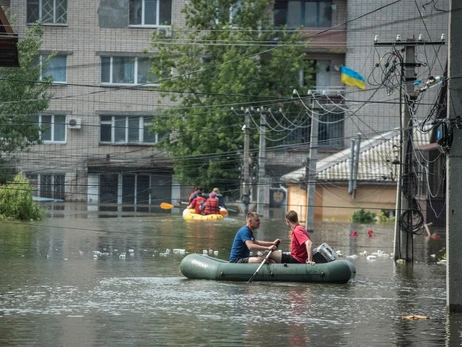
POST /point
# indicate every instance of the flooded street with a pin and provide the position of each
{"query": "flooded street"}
(79, 279)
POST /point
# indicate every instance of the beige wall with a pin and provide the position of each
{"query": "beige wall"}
(333, 203)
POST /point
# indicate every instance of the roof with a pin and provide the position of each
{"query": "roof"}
(8, 41)
(375, 161)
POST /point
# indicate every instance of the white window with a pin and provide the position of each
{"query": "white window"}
(56, 68)
(53, 128)
(126, 70)
(126, 129)
(47, 11)
(150, 12)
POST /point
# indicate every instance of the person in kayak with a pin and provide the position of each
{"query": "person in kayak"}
(301, 247)
(244, 242)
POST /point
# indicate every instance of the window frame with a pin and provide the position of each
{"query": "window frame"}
(52, 129)
(302, 11)
(143, 125)
(40, 15)
(143, 15)
(43, 74)
(136, 69)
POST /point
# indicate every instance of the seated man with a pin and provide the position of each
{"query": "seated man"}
(198, 203)
(244, 242)
(301, 247)
(211, 205)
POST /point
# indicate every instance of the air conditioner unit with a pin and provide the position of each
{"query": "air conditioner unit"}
(74, 122)
(165, 31)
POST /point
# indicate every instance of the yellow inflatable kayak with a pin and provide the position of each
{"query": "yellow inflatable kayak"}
(189, 214)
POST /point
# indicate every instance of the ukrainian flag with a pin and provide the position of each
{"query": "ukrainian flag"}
(352, 78)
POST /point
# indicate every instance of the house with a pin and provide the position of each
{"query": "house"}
(339, 193)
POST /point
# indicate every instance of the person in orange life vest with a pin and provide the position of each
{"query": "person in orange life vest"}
(198, 203)
(301, 247)
(194, 194)
(211, 205)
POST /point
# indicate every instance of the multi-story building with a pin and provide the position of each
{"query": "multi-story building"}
(98, 148)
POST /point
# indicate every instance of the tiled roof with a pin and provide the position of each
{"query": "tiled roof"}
(375, 161)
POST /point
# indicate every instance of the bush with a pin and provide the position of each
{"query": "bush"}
(363, 216)
(383, 218)
(16, 201)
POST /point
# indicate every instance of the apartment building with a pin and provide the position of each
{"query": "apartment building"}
(98, 148)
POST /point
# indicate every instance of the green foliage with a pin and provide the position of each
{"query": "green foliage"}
(443, 254)
(362, 216)
(383, 218)
(16, 201)
(216, 63)
(22, 95)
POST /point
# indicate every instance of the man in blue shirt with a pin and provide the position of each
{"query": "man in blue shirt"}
(244, 242)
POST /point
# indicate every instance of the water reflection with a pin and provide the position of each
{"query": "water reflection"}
(64, 282)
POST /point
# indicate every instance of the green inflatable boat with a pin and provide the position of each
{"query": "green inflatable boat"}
(198, 266)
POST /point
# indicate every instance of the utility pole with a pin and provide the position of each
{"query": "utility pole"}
(246, 189)
(403, 239)
(261, 164)
(311, 170)
(404, 249)
(454, 165)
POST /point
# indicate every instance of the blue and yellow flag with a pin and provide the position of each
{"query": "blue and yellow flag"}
(352, 78)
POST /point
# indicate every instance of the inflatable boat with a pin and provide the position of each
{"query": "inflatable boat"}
(189, 214)
(198, 266)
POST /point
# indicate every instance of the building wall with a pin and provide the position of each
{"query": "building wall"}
(333, 203)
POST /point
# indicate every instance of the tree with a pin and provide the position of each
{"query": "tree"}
(228, 54)
(22, 94)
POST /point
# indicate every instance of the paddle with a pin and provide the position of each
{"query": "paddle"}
(224, 212)
(166, 206)
(262, 263)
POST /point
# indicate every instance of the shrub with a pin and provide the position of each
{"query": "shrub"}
(363, 216)
(383, 218)
(16, 201)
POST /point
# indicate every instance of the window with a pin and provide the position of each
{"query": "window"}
(47, 11)
(150, 12)
(126, 129)
(53, 128)
(47, 185)
(126, 70)
(52, 186)
(307, 13)
(330, 132)
(55, 68)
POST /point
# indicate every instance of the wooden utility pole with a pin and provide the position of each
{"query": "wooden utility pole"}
(454, 164)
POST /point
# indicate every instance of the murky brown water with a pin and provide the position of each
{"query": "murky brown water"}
(80, 280)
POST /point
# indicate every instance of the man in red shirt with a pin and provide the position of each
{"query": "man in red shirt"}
(301, 247)
(198, 203)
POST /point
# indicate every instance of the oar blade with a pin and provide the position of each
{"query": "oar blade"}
(166, 206)
(224, 212)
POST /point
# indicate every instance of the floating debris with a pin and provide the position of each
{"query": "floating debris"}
(414, 317)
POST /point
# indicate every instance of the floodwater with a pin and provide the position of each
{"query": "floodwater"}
(79, 279)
